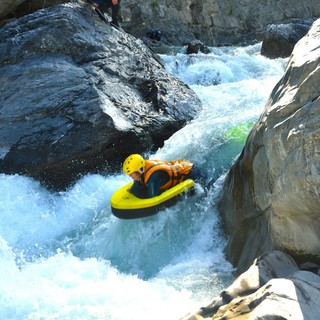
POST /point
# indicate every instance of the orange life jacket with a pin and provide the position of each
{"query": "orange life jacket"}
(176, 169)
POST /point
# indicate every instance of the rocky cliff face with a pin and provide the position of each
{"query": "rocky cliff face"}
(271, 195)
(213, 22)
(78, 96)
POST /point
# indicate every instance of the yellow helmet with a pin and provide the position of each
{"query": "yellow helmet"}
(133, 163)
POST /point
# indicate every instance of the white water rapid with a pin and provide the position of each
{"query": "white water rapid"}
(64, 256)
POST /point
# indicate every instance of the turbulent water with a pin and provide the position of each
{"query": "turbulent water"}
(65, 256)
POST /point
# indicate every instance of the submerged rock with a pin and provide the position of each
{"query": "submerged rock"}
(78, 96)
(271, 199)
(197, 46)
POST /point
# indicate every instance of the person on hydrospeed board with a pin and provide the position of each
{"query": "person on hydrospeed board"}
(152, 177)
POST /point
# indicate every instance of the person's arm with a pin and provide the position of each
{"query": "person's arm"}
(157, 179)
(154, 185)
(139, 190)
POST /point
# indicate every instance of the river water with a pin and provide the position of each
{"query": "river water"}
(65, 256)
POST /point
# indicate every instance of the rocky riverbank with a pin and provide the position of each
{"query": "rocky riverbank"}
(217, 22)
(271, 201)
(271, 195)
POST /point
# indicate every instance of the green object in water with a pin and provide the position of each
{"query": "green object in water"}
(239, 133)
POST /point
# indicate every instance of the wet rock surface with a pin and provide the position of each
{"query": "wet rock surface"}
(280, 40)
(78, 96)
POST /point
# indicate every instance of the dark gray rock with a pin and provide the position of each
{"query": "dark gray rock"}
(78, 96)
(214, 23)
(7, 6)
(197, 46)
(280, 40)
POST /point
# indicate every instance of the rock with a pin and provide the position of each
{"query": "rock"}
(197, 46)
(310, 266)
(79, 96)
(295, 298)
(272, 288)
(280, 40)
(214, 23)
(30, 6)
(270, 199)
(271, 265)
(7, 6)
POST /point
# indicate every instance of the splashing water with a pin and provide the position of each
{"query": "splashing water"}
(65, 256)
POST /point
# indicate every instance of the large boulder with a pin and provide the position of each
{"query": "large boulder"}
(272, 288)
(78, 96)
(271, 199)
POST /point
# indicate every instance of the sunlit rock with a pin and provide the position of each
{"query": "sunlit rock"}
(216, 22)
(7, 6)
(272, 288)
(271, 197)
